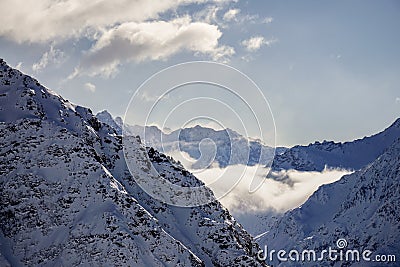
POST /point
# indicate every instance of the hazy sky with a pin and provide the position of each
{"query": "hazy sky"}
(329, 69)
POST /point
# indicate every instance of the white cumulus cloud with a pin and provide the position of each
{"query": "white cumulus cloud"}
(155, 40)
(119, 31)
(47, 20)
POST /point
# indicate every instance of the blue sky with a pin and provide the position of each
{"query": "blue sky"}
(329, 69)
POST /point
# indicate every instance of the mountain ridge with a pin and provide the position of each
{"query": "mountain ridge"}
(347, 155)
(230, 147)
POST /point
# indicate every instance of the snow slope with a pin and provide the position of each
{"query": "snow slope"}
(67, 197)
(349, 155)
(362, 207)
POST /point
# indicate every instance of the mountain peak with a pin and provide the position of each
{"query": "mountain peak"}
(24, 98)
(105, 114)
(105, 117)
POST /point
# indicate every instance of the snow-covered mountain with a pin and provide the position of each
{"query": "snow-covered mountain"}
(362, 208)
(106, 118)
(349, 155)
(224, 147)
(67, 197)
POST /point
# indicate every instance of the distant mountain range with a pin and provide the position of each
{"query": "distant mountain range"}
(233, 148)
(224, 147)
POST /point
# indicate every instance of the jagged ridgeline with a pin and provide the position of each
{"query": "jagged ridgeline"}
(348, 155)
(222, 147)
(67, 197)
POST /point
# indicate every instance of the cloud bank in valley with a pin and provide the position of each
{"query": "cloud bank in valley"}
(280, 192)
(285, 191)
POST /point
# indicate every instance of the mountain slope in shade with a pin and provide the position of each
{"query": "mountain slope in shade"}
(362, 208)
(67, 197)
(349, 155)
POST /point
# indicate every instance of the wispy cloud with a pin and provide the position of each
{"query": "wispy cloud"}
(53, 56)
(255, 43)
(231, 14)
(148, 97)
(267, 20)
(18, 65)
(90, 87)
(209, 14)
